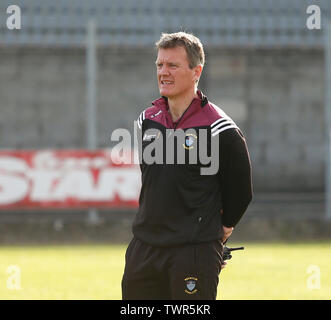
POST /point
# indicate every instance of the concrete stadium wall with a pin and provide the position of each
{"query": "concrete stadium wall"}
(276, 97)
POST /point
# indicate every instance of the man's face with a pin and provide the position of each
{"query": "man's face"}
(174, 75)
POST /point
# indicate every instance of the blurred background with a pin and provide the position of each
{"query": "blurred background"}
(77, 70)
(74, 71)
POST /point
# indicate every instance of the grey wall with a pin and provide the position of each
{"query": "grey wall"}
(43, 95)
(276, 96)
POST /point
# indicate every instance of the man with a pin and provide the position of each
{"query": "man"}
(184, 217)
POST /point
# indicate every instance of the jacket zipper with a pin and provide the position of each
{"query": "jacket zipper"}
(181, 117)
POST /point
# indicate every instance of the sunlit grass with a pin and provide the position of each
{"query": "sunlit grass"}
(262, 271)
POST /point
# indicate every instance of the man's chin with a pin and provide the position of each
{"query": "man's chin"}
(166, 94)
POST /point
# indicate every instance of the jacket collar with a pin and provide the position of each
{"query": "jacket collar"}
(163, 101)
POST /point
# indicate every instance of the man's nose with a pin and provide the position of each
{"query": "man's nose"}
(164, 70)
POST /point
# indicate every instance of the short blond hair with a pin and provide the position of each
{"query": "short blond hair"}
(191, 44)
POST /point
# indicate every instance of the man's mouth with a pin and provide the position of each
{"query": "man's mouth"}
(166, 82)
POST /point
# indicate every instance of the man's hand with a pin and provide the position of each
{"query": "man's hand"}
(227, 233)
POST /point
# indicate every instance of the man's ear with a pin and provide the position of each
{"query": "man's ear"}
(197, 72)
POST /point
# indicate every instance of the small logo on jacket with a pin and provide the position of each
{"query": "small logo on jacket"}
(189, 141)
(191, 285)
(156, 114)
(151, 136)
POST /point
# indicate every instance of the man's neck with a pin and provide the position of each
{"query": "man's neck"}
(178, 105)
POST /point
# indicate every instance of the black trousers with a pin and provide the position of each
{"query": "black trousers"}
(187, 272)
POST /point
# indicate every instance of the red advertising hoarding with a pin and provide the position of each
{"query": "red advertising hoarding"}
(67, 179)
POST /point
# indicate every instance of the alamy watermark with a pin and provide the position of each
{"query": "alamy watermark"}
(14, 19)
(170, 147)
(314, 20)
(314, 278)
(14, 277)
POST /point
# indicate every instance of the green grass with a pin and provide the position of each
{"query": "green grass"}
(277, 271)
(262, 271)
